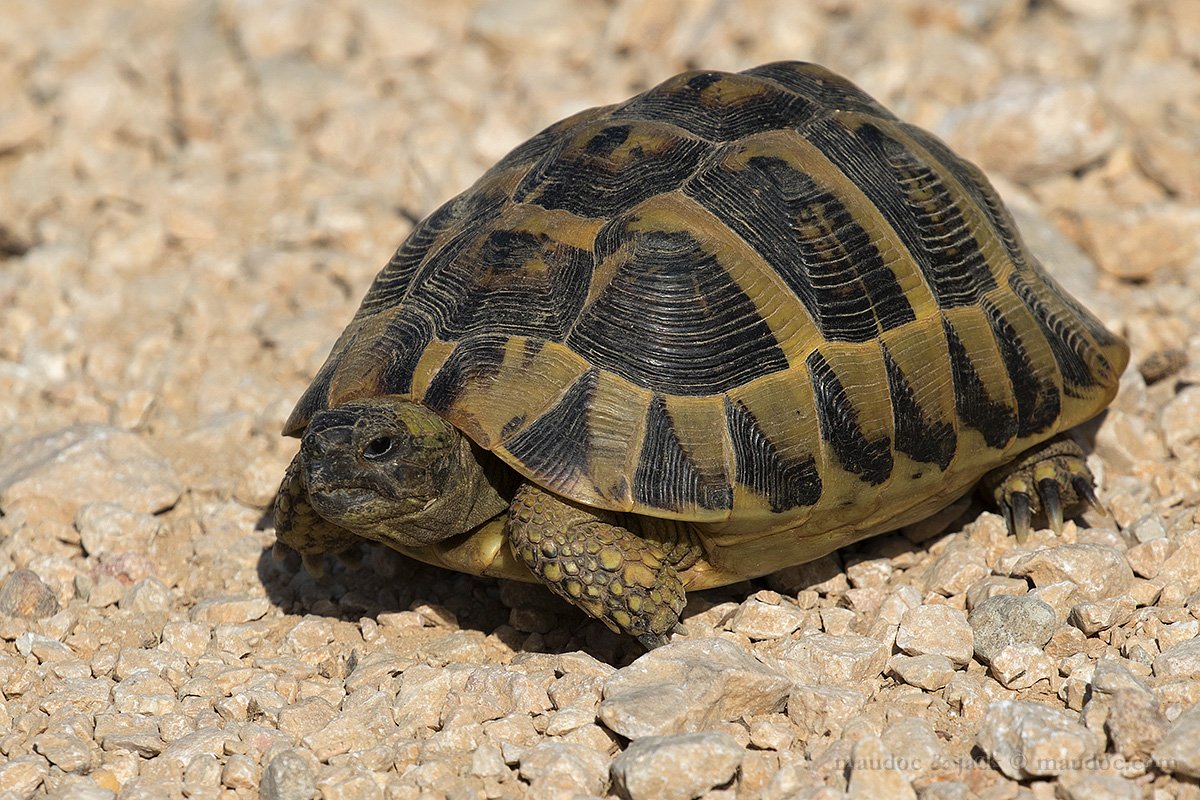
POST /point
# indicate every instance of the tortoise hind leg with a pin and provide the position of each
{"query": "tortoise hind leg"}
(1045, 480)
(629, 581)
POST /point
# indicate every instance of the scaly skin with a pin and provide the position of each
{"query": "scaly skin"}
(629, 581)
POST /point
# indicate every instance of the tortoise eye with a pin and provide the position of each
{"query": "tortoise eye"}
(379, 448)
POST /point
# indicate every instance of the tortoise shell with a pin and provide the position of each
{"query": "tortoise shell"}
(751, 300)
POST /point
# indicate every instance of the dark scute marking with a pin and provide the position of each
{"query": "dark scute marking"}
(607, 140)
(786, 483)
(557, 444)
(666, 477)
(704, 80)
(594, 185)
(477, 210)
(400, 347)
(913, 197)
(1037, 398)
(515, 283)
(511, 425)
(770, 109)
(994, 420)
(973, 181)
(671, 319)
(472, 360)
(923, 440)
(810, 238)
(1070, 348)
(869, 459)
(814, 83)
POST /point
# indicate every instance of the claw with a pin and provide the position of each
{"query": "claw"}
(1083, 488)
(279, 551)
(1051, 503)
(314, 564)
(1022, 517)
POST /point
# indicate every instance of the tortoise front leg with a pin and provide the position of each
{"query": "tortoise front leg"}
(300, 527)
(630, 582)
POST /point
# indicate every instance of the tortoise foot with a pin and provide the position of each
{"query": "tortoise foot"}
(1044, 482)
(616, 576)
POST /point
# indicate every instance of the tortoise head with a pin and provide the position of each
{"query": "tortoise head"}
(389, 470)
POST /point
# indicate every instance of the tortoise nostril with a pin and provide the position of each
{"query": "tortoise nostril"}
(320, 442)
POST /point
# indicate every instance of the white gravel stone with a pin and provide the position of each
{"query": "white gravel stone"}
(688, 686)
(930, 672)
(89, 464)
(1028, 740)
(873, 773)
(1177, 753)
(829, 659)
(1031, 129)
(1020, 666)
(1180, 661)
(758, 620)
(1097, 572)
(679, 767)
(936, 630)
(1091, 618)
(1003, 620)
(567, 765)
(288, 777)
(824, 709)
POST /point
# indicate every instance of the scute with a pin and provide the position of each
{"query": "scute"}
(745, 299)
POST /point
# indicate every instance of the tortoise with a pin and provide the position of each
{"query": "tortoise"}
(729, 325)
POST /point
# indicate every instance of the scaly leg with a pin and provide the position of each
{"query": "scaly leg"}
(298, 526)
(626, 578)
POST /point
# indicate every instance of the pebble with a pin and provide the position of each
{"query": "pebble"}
(1091, 618)
(1177, 752)
(1182, 566)
(1097, 572)
(759, 620)
(230, 609)
(1083, 785)
(1030, 740)
(678, 767)
(287, 777)
(571, 767)
(936, 630)
(688, 686)
(828, 659)
(873, 773)
(112, 528)
(1003, 620)
(930, 672)
(1180, 661)
(1020, 666)
(1134, 723)
(22, 775)
(24, 594)
(822, 709)
(1029, 129)
(88, 464)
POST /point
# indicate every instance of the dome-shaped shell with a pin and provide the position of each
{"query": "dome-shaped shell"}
(740, 299)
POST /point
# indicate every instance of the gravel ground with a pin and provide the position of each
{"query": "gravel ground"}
(194, 196)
